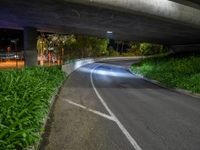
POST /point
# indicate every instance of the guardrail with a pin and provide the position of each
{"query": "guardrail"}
(72, 65)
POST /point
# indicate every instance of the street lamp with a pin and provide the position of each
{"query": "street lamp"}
(109, 32)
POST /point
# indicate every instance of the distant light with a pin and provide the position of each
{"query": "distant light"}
(109, 32)
(16, 56)
(13, 41)
(50, 48)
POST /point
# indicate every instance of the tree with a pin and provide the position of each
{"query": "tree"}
(146, 48)
(42, 46)
(151, 49)
(77, 46)
(91, 46)
(59, 42)
(55, 43)
(100, 46)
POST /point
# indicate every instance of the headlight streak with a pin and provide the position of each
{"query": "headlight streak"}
(109, 71)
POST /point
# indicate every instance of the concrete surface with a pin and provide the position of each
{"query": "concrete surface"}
(156, 118)
(77, 63)
(161, 8)
(155, 21)
(70, 67)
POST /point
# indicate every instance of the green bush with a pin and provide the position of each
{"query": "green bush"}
(152, 49)
(112, 52)
(182, 72)
(146, 48)
(128, 54)
(24, 103)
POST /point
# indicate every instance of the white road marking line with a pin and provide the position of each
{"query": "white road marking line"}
(91, 110)
(120, 125)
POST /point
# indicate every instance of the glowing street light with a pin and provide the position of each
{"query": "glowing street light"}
(109, 32)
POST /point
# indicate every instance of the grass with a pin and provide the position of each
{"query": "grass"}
(24, 104)
(180, 72)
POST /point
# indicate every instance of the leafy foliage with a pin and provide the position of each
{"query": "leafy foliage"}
(87, 46)
(146, 48)
(24, 103)
(54, 41)
(82, 46)
(112, 52)
(181, 72)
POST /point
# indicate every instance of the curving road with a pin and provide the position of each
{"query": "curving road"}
(104, 106)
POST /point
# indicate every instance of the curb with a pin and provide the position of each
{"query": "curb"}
(176, 90)
(52, 101)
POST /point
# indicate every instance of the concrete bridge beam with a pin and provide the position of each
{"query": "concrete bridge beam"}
(165, 9)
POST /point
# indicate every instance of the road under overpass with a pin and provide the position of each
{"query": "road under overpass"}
(175, 22)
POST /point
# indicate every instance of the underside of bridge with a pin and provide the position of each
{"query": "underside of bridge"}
(60, 16)
(168, 22)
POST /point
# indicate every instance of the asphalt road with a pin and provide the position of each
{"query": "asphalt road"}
(142, 115)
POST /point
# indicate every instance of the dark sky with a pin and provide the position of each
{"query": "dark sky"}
(6, 35)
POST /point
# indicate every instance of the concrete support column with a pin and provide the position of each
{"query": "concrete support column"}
(30, 46)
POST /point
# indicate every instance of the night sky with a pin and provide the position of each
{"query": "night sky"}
(6, 35)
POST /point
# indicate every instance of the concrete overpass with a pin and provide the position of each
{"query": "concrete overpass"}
(158, 21)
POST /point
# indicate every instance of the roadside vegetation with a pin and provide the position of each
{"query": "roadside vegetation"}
(25, 99)
(89, 46)
(25, 95)
(69, 47)
(180, 72)
(145, 49)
